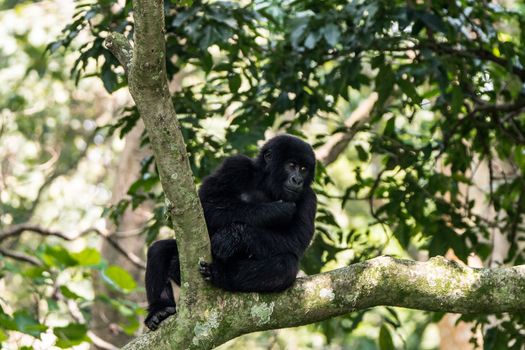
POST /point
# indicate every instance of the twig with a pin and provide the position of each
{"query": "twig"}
(120, 47)
(19, 229)
(20, 257)
(371, 196)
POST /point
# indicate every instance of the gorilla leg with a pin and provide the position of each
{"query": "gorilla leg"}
(273, 274)
(162, 265)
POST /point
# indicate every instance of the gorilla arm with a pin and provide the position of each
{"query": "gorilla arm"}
(264, 242)
(222, 192)
(263, 215)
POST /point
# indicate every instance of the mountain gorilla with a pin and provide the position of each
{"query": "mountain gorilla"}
(260, 216)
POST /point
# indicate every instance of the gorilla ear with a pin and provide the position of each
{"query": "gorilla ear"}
(267, 156)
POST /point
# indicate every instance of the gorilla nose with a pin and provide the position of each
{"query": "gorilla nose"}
(296, 180)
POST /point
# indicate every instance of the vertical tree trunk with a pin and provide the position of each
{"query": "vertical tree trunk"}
(106, 319)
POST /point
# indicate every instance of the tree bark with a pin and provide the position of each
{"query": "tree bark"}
(435, 285)
(207, 317)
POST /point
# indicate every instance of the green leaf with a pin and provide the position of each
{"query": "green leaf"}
(131, 325)
(146, 183)
(66, 292)
(109, 79)
(457, 100)
(119, 278)
(385, 339)
(495, 339)
(87, 257)
(206, 38)
(54, 46)
(183, 16)
(402, 233)
(390, 127)
(7, 322)
(311, 40)
(207, 62)
(70, 335)
(409, 90)
(384, 83)
(361, 153)
(57, 256)
(52, 305)
(185, 3)
(331, 34)
(432, 21)
(3, 336)
(25, 323)
(438, 246)
(34, 272)
(234, 82)
(297, 34)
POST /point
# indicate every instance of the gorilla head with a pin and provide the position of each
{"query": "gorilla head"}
(288, 165)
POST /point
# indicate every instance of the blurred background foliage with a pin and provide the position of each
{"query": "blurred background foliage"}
(416, 110)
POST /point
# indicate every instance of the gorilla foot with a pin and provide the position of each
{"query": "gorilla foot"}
(155, 318)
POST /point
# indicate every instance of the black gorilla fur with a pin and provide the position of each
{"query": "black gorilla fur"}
(260, 216)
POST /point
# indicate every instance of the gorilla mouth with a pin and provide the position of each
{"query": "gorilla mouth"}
(292, 191)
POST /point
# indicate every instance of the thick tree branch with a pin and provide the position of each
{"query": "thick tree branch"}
(149, 87)
(435, 285)
(338, 142)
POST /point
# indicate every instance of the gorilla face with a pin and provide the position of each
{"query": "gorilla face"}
(289, 166)
(295, 175)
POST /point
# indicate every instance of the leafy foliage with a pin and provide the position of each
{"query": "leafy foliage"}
(445, 138)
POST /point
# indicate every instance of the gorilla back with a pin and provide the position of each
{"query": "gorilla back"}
(260, 216)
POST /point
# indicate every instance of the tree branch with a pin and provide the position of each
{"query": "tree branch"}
(473, 53)
(148, 85)
(120, 47)
(435, 285)
(20, 257)
(443, 48)
(19, 229)
(338, 142)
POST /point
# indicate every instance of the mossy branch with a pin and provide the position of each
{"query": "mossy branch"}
(120, 47)
(435, 285)
(145, 67)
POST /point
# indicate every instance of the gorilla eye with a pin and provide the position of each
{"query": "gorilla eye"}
(268, 156)
(303, 168)
(291, 165)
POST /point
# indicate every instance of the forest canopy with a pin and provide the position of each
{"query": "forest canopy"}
(415, 109)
